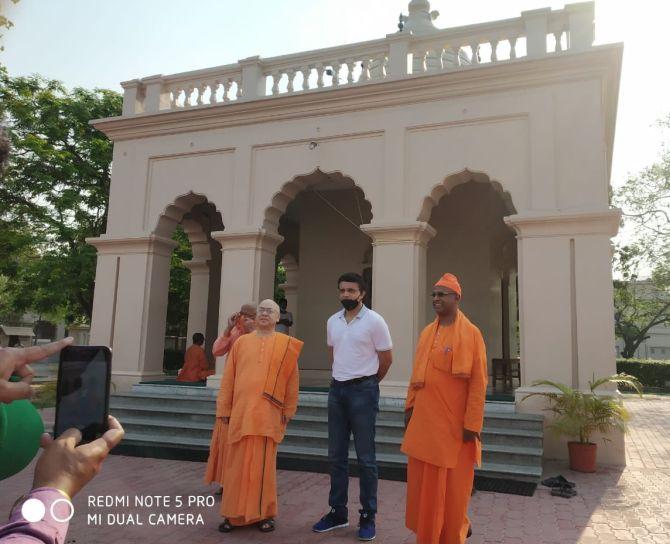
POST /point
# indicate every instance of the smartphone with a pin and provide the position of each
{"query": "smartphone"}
(82, 390)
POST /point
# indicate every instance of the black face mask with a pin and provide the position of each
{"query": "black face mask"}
(349, 304)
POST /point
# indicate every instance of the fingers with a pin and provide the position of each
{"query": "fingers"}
(36, 353)
(46, 440)
(100, 448)
(71, 437)
(25, 372)
(11, 391)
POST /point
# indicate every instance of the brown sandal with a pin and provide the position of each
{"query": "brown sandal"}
(266, 525)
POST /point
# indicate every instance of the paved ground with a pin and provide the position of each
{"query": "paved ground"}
(613, 506)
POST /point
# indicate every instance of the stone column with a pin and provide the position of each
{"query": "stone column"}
(247, 275)
(566, 307)
(130, 304)
(198, 298)
(399, 278)
(290, 287)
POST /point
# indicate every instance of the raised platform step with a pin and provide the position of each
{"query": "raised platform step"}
(177, 421)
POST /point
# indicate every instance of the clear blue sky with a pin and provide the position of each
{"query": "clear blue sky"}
(98, 43)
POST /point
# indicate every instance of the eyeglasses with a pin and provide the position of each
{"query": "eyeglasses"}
(441, 294)
(268, 311)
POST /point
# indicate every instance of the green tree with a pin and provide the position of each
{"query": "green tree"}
(180, 284)
(641, 305)
(53, 193)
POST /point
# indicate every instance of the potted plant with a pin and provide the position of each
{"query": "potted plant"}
(579, 414)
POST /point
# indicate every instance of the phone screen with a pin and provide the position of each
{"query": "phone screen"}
(82, 393)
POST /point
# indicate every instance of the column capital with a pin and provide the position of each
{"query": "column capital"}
(253, 238)
(565, 223)
(412, 232)
(124, 245)
(197, 266)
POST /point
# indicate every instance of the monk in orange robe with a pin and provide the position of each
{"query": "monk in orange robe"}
(196, 365)
(258, 397)
(444, 414)
(242, 322)
(239, 324)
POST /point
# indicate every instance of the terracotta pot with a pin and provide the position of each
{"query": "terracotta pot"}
(582, 456)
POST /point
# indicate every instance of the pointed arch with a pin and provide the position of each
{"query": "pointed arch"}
(453, 180)
(175, 212)
(317, 177)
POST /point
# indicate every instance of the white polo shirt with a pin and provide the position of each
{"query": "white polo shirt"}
(355, 344)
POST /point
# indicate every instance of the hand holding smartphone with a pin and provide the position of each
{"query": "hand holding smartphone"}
(82, 391)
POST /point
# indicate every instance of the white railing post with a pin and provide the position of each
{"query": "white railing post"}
(580, 21)
(253, 81)
(131, 97)
(155, 97)
(398, 51)
(536, 24)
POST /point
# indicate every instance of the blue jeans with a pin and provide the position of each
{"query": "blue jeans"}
(353, 409)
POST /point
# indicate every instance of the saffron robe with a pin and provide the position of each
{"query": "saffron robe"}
(259, 393)
(445, 400)
(196, 365)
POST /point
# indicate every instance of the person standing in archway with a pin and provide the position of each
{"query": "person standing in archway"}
(444, 414)
(360, 350)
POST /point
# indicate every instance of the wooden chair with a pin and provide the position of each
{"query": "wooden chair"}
(506, 370)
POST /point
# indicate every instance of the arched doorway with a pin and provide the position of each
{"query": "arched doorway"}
(319, 216)
(473, 242)
(195, 275)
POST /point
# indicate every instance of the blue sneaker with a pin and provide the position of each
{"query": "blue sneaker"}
(329, 522)
(366, 527)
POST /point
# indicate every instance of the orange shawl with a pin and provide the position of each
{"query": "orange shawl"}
(465, 336)
(285, 353)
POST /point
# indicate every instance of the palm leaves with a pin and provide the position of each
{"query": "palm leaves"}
(579, 414)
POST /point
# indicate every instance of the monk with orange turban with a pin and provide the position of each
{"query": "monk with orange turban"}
(196, 365)
(444, 414)
(258, 397)
(239, 324)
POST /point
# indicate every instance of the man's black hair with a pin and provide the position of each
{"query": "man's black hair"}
(352, 277)
(198, 338)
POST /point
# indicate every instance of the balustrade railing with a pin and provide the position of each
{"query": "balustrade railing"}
(537, 33)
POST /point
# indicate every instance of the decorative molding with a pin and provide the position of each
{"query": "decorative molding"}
(602, 62)
(253, 238)
(568, 223)
(399, 232)
(197, 267)
(126, 245)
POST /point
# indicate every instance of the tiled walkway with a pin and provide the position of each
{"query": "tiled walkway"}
(613, 505)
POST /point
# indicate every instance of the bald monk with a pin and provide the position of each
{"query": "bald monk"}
(444, 414)
(239, 324)
(258, 397)
(196, 365)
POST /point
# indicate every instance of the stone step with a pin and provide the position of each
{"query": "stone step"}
(179, 425)
(202, 425)
(179, 435)
(307, 458)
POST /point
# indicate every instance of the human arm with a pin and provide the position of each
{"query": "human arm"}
(385, 360)
(291, 397)
(224, 401)
(474, 408)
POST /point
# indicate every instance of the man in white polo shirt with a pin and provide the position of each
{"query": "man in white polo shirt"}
(360, 350)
